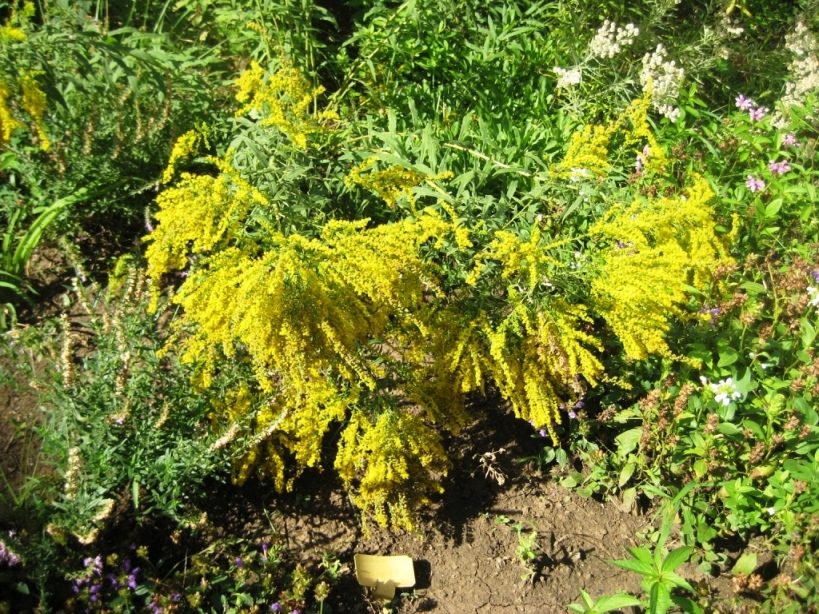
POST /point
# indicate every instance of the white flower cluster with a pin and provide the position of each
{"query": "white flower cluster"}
(813, 293)
(611, 39)
(726, 391)
(567, 78)
(665, 78)
(804, 69)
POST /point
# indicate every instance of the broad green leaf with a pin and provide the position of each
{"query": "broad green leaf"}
(628, 440)
(615, 602)
(625, 474)
(676, 558)
(659, 599)
(635, 566)
(745, 564)
(688, 606)
(641, 554)
(677, 580)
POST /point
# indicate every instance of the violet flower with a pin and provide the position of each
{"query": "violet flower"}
(746, 104)
(757, 114)
(754, 184)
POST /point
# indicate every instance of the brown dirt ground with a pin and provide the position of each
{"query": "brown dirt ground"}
(464, 554)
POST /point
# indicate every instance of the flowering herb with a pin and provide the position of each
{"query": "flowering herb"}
(754, 184)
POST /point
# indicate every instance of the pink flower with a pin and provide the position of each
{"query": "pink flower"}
(779, 168)
(789, 140)
(754, 184)
(746, 104)
(757, 114)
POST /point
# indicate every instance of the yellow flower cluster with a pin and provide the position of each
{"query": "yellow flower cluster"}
(186, 145)
(656, 250)
(7, 122)
(283, 101)
(10, 31)
(540, 357)
(397, 460)
(392, 182)
(195, 216)
(590, 149)
(519, 257)
(34, 102)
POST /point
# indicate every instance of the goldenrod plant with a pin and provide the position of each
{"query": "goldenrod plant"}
(359, 323)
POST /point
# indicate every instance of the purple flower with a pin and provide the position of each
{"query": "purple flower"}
(746, 104)
(113, 580)
(779, 168)
(757, 114)
(815, 275)
(296, 612)
(580, 404)
(176, 597)
(638, 165)
(572, 414)
(754, 184)
(543, 432)
(132, 583)
(646, 151)
(95, 598)
(239, 563)
(276, 607)
(789, 140)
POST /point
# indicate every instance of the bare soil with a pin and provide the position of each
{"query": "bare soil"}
(464, 549)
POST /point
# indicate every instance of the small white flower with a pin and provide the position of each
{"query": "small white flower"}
(814, 296)
(611, 39)
(763, 365)
(771, 511)
(725, 391)
(703, 379)
(567, 78)
(751, 355)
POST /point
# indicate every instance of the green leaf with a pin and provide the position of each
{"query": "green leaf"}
(568, 482)
(615, 602)
(727, 357)
(659, 599)
(676, 558)
(687, 605)
(636, 566)
(625, 474)
(641, 554)
(135, 493)
(677, 580)
(745, 564)
(628, 440)
(773, 207)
